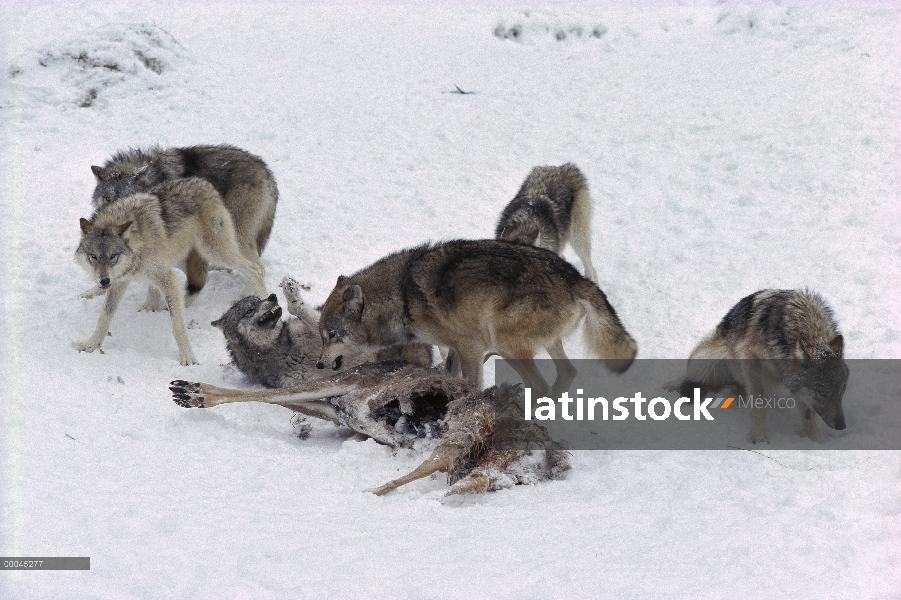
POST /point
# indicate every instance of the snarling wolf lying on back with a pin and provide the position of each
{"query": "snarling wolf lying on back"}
(397, 404)
(243, 180)
(769, 340)
(281, 353)
(476, 297)
(142, 238)
(551, 209)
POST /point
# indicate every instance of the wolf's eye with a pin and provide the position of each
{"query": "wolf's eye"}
(92, 257)
(114, 258)
(249, 312)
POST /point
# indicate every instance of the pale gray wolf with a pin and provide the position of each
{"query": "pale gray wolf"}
(770, 340)
(476, 297)
(551, 209)
(400, 404)
(243, 180)
(283, 352)
(142, 237)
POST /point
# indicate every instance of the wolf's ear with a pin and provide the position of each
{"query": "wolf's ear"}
(217, 323)
(86, 225)
(138, 172)
(531, 236)
(341, 280)
(805, 350)
(99, 173)
(123, 228)
(354, 298)
(837, 345)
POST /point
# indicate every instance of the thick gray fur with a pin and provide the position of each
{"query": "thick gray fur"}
(243, 180)
(552, 208)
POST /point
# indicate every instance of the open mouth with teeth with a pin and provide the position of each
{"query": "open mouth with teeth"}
(271, 316)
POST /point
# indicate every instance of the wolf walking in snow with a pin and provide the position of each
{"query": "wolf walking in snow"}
(243, 180)
(551, 209)
(144, 236)
(769, 340)
(476, 297)
(283, 352)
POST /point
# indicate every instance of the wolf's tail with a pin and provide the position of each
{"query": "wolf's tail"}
(605, 335)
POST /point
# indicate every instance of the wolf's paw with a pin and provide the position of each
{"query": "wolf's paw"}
(149, 306)
(811, 431)
(291, 289)
(186, 394)
(154, 301)
(93, 292)
(187, 358)
(87, 346)
(673, 386)
(760, 437)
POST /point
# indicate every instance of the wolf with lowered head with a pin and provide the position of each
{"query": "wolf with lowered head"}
(770, 340)
(551, 209)
(476, 297)
(144, 236)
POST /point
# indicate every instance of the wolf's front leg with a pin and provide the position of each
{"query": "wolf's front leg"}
(110, 304)
(295, 303)
(175, 300)
(810, 428)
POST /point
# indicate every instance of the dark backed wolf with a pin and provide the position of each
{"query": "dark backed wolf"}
(243, 180)
(769, 340)
(551, 209)
(476, 297)
(283, 352)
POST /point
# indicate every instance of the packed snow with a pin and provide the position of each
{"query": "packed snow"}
(729, 147)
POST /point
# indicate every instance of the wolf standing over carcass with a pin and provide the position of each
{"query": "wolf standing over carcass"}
(771, 339)
(551, 209)
(476, 297)
(144, 236)
(243, 180)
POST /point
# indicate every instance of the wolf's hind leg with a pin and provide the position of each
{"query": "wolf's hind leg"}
(566, 371)
(154, 301)
(176, 303)
(220, 247)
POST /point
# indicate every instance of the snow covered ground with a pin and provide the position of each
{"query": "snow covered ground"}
(729, 147)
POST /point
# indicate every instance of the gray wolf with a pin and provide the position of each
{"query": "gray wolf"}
(243, 180)
(143, 236)
(401, 404)
(283, 352)
(769, 340)
(551, 209)
(476, 297)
